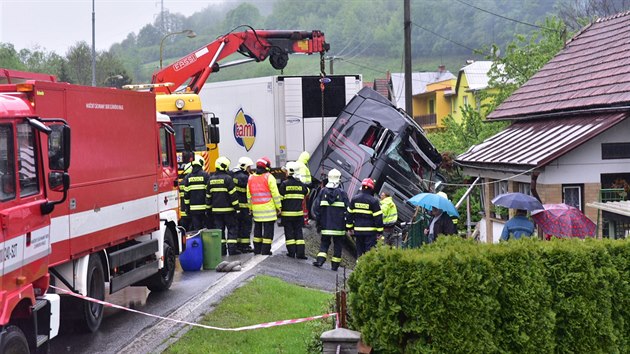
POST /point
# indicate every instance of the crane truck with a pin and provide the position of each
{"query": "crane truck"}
(178, 85)
(77, 213)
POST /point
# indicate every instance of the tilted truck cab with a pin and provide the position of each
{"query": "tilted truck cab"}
(372, 138)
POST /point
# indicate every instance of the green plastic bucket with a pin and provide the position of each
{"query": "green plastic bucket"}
(211, 248)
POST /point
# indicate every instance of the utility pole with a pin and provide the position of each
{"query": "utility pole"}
(408, 82)
(93, 45)
(331, 59)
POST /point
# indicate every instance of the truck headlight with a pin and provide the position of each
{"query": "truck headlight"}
(179, 103)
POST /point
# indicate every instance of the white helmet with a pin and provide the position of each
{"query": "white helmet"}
(333, 178)
(292, 168)
(245, 162)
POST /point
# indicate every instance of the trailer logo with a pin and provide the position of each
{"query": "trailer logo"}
(244, 130)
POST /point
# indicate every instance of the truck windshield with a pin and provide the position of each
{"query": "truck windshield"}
(402, 154)
(194, 121)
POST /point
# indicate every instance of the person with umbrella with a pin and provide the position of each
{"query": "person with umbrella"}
(440, 224)
(518, 226)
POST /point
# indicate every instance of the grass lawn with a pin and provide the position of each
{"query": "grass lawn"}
(264, 299)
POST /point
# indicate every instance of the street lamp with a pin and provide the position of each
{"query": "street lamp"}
(188, 33)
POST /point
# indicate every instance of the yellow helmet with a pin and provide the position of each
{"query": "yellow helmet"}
(222, 163)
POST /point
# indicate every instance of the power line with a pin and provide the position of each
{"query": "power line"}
(363, 66)
(504, 17)
(445, 38)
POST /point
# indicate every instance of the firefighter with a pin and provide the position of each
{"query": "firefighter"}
(223, 202)
(305, 177)
(265, 203)
(195, 194)
(365, 217)
(390, 216)
(243, 216)
(187, 157)
(330, 213)
(293, 193)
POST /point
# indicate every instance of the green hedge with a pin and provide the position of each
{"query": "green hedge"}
(529, 296)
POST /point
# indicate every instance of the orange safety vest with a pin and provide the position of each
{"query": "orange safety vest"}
(263, 197)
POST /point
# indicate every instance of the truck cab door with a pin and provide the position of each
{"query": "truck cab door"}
(24, 230)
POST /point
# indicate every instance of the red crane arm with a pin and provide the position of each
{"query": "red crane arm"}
(194, 69)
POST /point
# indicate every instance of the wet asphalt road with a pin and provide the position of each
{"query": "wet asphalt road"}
(192, 295)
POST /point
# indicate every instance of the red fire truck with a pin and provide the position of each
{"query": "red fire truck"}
(79, 213)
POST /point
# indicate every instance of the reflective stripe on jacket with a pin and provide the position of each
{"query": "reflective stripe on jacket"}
(263, 197)
(365, 215)
(330, 211)
(195, 190)
(240, 181)
(293, 193)
(221, 193)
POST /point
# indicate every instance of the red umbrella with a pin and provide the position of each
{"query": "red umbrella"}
(564, 220)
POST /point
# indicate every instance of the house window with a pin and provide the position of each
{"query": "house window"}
(572, 195)
(465, 100)
(431, 107)
(615, 151)
(524, 188)
(500, 187)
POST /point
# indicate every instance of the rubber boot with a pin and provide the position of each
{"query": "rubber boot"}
(319, 262)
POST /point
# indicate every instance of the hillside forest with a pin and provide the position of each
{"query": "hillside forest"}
(366, 37)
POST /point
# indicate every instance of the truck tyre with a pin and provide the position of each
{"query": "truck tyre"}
(14, 341)
(163, 279)
(93, 312)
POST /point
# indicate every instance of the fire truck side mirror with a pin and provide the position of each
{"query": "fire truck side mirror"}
(59, 147)
(58, 181)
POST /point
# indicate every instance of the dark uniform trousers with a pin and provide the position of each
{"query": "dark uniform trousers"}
(226, 221)
(294, 236)
(263, 236)
(364, 243)
(244, 229)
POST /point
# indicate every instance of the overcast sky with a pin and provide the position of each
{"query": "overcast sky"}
(58, 24)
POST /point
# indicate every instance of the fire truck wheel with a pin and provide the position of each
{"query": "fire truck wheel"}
(163, 279)
(14, 341)
(93, 312)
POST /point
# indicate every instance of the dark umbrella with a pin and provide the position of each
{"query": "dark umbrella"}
(517, 201)
(564, 220)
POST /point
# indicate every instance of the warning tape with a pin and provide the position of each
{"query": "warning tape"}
(256, 326)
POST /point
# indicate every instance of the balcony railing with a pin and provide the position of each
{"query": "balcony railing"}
(427, 120)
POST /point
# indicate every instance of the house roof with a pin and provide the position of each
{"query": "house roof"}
(620, 207)
(593, 70)
(419, 81)
(535, 143)
(476, 75)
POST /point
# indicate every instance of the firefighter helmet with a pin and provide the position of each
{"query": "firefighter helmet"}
(292, 168)
(222, 163)
(263, 162)
(368, 183)
(199, 161)
(334, 176)
(245, 162)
